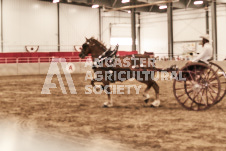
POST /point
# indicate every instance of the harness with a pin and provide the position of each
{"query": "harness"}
(108, 55)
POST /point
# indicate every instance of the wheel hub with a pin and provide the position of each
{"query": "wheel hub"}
(197, 87)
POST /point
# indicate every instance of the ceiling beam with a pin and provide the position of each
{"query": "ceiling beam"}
(221, 1)
(181, 4)
(141, 5)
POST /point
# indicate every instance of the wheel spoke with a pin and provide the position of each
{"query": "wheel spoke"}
(185, 100)
(196, 95)
(190, 91)
(207, 98)
(217, 70)
(191, 104)
(211, 94)
(184, 93)
(208, 73)
(212, 75)
(181, 95)
(202, 98)
(212, 90)
(214, 86)
(179, 81)
(214, 83)
(220, 76)
(179, 88)
(190, 75)
(210, 80)
(195, 70)
(187, 84)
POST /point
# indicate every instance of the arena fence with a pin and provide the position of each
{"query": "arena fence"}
(17, 64)
(25, 63)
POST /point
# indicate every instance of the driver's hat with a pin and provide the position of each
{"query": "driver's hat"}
(206, 36)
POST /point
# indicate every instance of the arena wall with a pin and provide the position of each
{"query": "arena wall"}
(34, 22)
(76, 23)
(80, 67)
(26, 22)
(188, 25)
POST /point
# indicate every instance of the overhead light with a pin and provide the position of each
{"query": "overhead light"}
(198, 2)
(125, 1)
(36, 6)
(163, 7)
(129, 11)
(95, 6)
(56, 1)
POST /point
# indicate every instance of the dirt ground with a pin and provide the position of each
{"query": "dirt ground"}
(129, 125)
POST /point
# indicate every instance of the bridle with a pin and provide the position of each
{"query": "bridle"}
(83, 49)
(89, 44)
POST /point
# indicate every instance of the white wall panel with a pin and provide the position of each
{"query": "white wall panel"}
(0, 31)
(189, 24)
(33, 22)
(29, 22)
(154, 36)
(76, 23)
(221, 31)
(116, 19)
(121, 30)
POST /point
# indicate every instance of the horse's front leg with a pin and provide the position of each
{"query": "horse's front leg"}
(146, 95)
(97, 87)
(107, 89)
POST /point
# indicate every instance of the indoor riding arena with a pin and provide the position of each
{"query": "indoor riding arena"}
(112, 75)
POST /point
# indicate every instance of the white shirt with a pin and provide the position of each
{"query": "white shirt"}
(206, 53)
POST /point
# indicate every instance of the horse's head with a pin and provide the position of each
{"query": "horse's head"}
(85, 51)
(93, 47)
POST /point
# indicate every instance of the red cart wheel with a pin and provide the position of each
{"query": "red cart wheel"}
(201, 88)
(222, 77)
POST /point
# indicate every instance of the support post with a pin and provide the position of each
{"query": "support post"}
(100, 24)
(207, 19)
(214, 27)
(58, 25)
(138, 32)
(170, 30)
(1, 26)
(133, 26)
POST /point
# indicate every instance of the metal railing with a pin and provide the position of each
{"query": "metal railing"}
(7, 60)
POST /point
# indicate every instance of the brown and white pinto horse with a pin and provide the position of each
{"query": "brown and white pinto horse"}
(127, 65)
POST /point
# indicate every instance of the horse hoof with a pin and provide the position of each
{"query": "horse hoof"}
(105, 106)
(152, 106)
(155, 104)
(146, 101)
(99, 87)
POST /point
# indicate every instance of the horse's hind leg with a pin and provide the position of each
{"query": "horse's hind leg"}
(146, 95)
(156, 102)
(109, 103)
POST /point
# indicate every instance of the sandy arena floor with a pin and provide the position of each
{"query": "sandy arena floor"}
(77, 122)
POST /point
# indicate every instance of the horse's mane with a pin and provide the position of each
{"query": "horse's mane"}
(101, 44)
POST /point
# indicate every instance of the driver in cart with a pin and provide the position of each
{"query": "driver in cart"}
(207, 51)
(205, 55)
